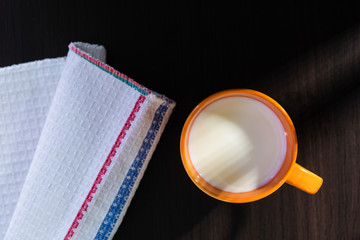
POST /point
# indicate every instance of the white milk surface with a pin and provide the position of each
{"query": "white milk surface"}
(237, 144)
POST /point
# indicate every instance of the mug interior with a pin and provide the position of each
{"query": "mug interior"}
(269, 187)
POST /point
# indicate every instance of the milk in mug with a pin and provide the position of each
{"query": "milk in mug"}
(237, 144)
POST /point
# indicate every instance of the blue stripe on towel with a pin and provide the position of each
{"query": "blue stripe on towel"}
(121, 198)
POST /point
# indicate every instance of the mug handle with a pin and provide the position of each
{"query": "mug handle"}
(304, 179)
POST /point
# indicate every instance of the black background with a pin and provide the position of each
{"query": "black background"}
(303, 54)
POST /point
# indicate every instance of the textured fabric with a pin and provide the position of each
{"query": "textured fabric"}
(26, 91)
(98, 132)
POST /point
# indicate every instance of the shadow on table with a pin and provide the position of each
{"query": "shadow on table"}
(318, 80)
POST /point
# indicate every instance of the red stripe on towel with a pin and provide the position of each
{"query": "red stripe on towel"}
(104, 168)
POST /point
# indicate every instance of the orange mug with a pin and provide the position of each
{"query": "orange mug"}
(289, 172)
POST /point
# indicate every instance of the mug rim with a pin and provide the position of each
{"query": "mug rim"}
(275, 183)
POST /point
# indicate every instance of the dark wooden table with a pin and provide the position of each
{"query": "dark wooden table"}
(304, 55)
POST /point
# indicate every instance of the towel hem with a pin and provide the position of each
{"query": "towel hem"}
(122, 77)
(134, 174)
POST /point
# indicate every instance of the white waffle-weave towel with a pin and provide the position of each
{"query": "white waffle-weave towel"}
(76, 137)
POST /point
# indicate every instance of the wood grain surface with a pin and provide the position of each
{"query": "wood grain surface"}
(306, 55)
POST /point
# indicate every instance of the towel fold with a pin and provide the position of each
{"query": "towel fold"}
(76, 137)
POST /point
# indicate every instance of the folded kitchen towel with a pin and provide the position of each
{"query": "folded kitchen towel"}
(84, 156)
